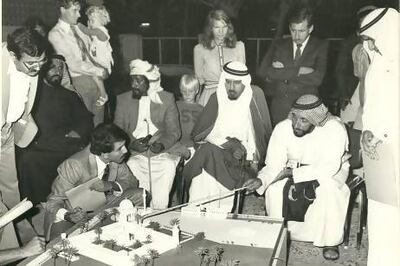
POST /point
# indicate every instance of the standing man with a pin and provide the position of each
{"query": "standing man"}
(380, 32)
(68, 40)
(149, 115)
(296, 66)
(22, 58)
(64, 128)
(308, 151)
(234, 129)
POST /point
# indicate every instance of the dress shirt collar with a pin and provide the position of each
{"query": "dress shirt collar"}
(303, 45)
(12, 69)
(66, 27)
(100, 166)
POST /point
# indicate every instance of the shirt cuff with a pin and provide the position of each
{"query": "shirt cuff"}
(60, 215)
(118, 193)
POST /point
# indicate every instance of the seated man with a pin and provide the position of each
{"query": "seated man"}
(149, 115)
(305, 173)
(9, 247)
(64, 126)
(234, 129)
(102, 159)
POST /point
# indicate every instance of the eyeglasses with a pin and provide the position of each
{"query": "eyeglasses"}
(35, 64)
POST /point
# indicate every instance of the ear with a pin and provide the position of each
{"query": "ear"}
(311, 29)
(105, 156)
(13, 56)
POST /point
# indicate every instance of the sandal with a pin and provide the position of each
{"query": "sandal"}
(331, 253)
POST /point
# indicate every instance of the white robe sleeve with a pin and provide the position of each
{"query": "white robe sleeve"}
(276, 157)
(329, 160)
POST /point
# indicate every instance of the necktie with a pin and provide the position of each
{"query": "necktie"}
(298, 52)
(80, 43)
(106, 173)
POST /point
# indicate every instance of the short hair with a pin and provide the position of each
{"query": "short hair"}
(207, 36)
(189, 82)
(300, 13)
(28, 41)
(102, 13)
(104, 136)
(67, 3)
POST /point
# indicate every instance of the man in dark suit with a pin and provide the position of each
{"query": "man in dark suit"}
(103, 159)
(64, 126)
(296, 65)
(149, 115)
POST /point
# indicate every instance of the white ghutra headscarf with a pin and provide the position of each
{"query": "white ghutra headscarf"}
(234, 118)
(152, 73)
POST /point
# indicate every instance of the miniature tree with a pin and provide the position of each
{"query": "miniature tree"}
(141, 261)
(154, 225)
(174, 222)
(54, 252)
(137, 244)
(216, 254)
(98, 231)
(202, 252)
(199, 236)
(111, 243)
(153, 254)
(148, 239)
(66, 249)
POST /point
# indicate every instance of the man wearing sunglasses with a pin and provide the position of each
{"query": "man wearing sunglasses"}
(22, 57)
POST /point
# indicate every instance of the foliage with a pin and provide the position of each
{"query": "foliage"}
(174, 222)
(137, 244)
(153, 254)
(65, 249)
(154, 225)
(110, 244)
(212, 255)
(202, 252)
(199, 236)
(148, 239)
(98, 231)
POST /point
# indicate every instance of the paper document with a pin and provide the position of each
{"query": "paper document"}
(16, 211)
(82, 196)
(380, 177)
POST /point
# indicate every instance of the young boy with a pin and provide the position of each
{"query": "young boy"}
(189, 110)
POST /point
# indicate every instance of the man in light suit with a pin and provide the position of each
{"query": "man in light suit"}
(150, 111)
(22, 57)
(103, 159)
(296, 65)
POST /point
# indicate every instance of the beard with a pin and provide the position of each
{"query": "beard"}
(232, 95)
(136, 94)
(54, 80)
(301, 133)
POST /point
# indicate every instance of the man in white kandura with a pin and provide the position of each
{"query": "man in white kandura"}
(305, 173)
(380, 32)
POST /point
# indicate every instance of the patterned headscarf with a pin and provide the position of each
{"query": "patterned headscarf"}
(310, 107)
(151, 72)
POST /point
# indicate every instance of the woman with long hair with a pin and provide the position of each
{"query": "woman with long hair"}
(217, 45)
